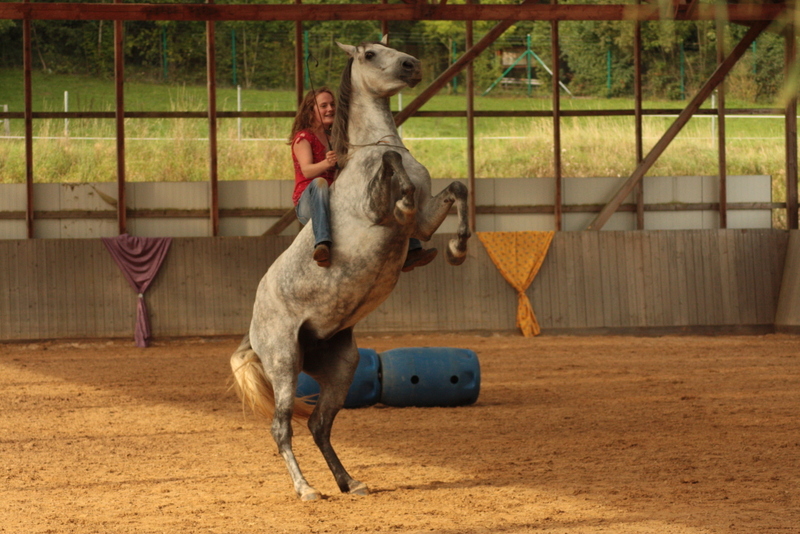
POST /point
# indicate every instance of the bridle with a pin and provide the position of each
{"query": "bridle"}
(379, 142)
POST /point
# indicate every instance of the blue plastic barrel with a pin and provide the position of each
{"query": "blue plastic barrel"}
(365, 389)
(430, 376)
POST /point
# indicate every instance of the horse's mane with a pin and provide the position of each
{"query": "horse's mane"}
(339, 131)
(342, 117)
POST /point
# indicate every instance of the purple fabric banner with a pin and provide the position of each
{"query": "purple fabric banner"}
(139, 258)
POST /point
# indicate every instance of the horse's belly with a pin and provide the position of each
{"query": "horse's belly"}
(365, 266)
(348, 305)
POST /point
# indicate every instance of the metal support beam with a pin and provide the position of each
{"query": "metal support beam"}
(558, 200)
(637, 110)
(119, 83)
(721, 155)
(213, 164)
(378, 12)
(791, 136)
(298, 60)
(26, 58)
(283, 223)
(719, 74)
(471, 131)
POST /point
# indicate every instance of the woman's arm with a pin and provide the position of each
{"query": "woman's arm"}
(305, 157)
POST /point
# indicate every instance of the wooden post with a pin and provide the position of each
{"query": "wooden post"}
(558, 201)
(791, 137)
(721, 154)
(26, 59)
(471, 131)
(213, 168)
(637, 103)
(119, 83)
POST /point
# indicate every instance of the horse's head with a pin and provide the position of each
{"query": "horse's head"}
(381, 70)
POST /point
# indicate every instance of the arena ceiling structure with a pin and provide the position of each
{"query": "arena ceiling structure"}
(757, 16)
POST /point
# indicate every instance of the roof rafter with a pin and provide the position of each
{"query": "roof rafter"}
(378, 11)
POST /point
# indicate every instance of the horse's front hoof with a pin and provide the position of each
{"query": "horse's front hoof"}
(310, 495)
(452, 259)
(359, 489)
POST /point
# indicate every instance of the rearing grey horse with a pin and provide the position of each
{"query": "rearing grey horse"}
(304, 315)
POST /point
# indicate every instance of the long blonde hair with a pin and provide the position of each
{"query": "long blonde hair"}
(305, 114)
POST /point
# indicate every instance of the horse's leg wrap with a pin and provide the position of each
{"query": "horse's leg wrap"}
(434, 214)
(334, 371)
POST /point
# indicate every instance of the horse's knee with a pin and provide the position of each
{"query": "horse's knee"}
(393, 164)
(404, 212)
(320, 188)
(459, 190)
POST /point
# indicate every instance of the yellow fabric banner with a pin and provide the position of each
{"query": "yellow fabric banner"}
(518, 256)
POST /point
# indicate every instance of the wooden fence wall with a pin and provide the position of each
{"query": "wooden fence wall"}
(625, 282)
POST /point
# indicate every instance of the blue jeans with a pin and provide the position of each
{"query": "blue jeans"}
(314, 205)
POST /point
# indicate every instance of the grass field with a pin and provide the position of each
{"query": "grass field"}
(177, 149)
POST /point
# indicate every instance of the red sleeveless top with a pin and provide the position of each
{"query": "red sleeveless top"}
(318, 151)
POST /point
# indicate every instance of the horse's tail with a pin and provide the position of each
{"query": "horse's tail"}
(254, 388)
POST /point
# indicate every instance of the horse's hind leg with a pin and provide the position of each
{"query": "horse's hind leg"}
(434, 212)
(281, 368)
(333, 364)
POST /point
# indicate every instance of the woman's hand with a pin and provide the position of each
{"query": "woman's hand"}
(330, 157)
(303, 153)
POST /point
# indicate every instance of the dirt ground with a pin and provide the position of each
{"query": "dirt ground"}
(667, 435)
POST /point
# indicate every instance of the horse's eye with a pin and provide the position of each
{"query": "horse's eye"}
(369, 55)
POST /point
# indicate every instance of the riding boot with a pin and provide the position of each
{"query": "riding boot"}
(419, 258)
(322, 254)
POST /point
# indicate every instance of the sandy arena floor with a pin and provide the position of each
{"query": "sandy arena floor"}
(669, 435)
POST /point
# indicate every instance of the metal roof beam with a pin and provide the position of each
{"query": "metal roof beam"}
(378, 11)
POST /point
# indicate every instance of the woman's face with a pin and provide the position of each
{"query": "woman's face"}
(325, 110)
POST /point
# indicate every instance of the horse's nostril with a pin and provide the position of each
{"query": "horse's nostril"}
(408, 65)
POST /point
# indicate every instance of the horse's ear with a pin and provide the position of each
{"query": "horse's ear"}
(350, 50)
(385, 39)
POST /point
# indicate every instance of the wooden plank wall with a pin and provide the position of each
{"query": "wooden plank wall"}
(787, 316)
(62, 288)
(624, 282)
(660, 280)
(207, 285)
